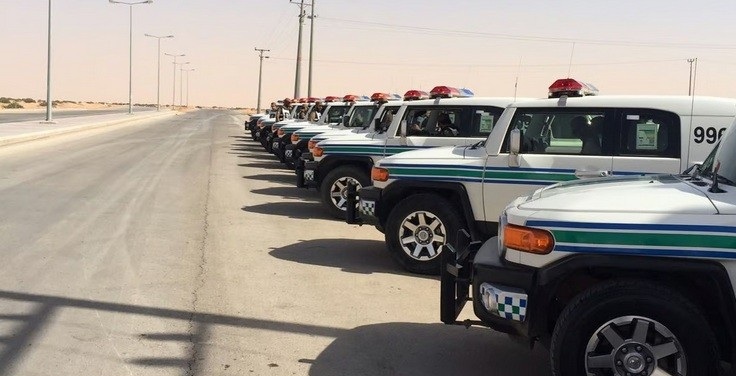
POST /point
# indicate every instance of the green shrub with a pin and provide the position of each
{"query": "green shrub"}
(29, 100)
(4, 100)
(13, 105)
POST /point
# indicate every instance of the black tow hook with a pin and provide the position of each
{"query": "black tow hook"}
(351, 213)
(299, 170)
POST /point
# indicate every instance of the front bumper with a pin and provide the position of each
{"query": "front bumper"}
(305, 171)
(365, 211)
(502, 292)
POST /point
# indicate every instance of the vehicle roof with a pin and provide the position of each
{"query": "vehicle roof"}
(681, 105)
(488, 101)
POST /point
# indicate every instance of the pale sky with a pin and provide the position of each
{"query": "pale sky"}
(361, 47)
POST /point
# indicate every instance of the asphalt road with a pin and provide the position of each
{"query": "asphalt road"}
(179, 247)
(12, 117)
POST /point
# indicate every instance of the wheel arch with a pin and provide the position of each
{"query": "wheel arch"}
(706, 283)
(331, 162)
(454, 192)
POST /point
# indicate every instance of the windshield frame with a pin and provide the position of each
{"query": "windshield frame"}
(724, 153)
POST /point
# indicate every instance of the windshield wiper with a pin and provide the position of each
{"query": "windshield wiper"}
(478, 144)
(724, 180)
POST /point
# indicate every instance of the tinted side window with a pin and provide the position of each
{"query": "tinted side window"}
(569, 131)
(388, 117)
(484, 119)
(435, 122)
(649, 133)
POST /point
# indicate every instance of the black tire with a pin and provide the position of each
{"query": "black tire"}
(334, 184)
(426, 243)
(612, 305)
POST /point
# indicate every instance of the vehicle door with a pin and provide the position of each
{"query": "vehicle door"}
(647, 141)
(557, 144)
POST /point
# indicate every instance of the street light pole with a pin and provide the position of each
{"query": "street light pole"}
(130, 65)
(181, 83)
(48, 73)
(173, 80)
(260, 75)
(188, 70)
(158, 77)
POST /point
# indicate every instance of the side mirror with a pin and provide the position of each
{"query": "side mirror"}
(515, 141)
(345, 120)
(377, 125)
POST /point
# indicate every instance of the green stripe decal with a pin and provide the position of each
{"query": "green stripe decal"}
(437, 172)
(476, 173)
(645, 239)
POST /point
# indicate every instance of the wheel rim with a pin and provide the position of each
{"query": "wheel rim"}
(633, 345)
(421, 235)
(339, 191)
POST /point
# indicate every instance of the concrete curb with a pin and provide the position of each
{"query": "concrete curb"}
(32, 136)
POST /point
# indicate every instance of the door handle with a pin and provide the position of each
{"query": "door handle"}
(586, 174)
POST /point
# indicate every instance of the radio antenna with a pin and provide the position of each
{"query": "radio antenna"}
(569, 67)
(516, 83)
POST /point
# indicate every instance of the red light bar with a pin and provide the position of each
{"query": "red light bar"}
(350, 98)
(302, 100)
(413, 95)
(571, 88)
(444, 92)
(313, 99)
(379, 97)
(332, 98)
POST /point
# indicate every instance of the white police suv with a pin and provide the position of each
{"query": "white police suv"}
(616, 276)
(420, 199)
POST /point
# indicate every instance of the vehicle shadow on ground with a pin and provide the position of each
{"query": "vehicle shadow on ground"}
(285, 178)
(27, 335)
(297, 210)
(267, 165)
(249, 148)
(427, 349)
(349, 255)
(264, 156)
(289, 193)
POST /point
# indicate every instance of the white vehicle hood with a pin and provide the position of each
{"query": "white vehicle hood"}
(316, 128)
(664, 194)
(453, 153)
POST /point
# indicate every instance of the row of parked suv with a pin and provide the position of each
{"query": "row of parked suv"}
(599, 226)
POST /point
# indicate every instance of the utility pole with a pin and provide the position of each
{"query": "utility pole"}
(297, 79)
(260, 75)
(311, 45)
(690, 81)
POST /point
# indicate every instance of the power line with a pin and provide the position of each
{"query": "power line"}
(532, 38)
(487, 65)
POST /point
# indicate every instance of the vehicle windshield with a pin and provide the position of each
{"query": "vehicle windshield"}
(725, 153)
(333, 114)
(361, 116)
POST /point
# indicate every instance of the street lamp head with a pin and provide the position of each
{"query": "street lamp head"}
(169, 36)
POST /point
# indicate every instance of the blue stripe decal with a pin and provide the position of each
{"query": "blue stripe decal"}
(475, 180)
(632, 226)
(525, 169)
(646, 251)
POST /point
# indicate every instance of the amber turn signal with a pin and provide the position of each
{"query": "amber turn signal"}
(379, 174)
(527, 239)
(318, 151)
